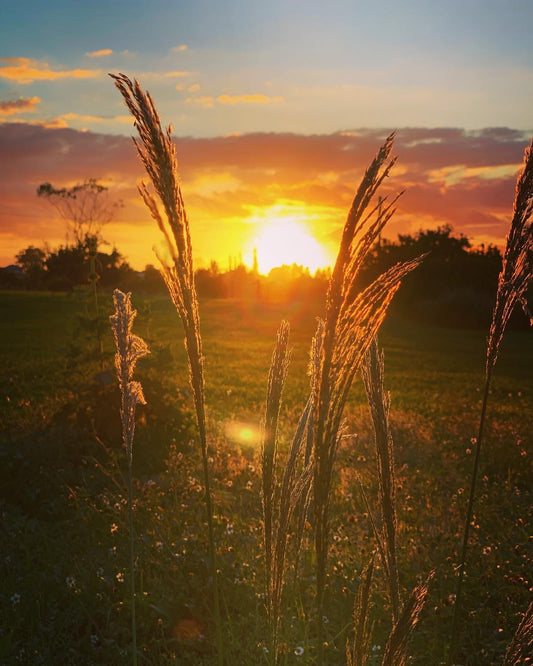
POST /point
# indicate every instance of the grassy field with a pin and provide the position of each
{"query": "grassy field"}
(64, 526)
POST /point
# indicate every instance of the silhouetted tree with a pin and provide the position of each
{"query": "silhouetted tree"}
(32, 262)
(85, 207)
(455, 283)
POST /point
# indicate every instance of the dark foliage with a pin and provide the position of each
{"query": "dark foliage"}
(454, 286)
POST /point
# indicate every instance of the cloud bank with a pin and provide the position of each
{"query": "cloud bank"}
(231, 183)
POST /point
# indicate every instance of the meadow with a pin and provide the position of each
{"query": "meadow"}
(64, 543)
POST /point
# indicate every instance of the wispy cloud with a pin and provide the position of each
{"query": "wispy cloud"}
(21, 105)
(102, 53)
(86, 118)
(205, 102)
(155, 76)
(208, 102)
(26, 70)
(179, 49)
(247, 99)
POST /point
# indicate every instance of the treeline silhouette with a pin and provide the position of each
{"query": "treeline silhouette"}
(454, 286)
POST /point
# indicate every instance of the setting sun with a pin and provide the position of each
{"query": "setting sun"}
(285, 240)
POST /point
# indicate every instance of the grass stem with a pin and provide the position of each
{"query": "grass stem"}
(132, 563)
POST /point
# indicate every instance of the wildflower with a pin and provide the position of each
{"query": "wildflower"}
(114, 528)
(298, 651)
(15, 599)
(120, 577)
(71, 582)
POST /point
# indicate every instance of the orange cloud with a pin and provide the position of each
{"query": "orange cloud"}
(20, 105)
(205, 102)
(25, 70)
(172, 75)
(154, 76)
(99, 54)
(90, 119)
(179, 49)
(208, 102)
(247, 99)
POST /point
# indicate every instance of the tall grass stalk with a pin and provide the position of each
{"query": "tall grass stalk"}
(515, 276)
(372, 372)
(282, 500)
(129, 349)
(352, 319)
(158, 155)
(276, 381)
(395, 653)
(357, 653)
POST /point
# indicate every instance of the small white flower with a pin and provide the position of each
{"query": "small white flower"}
(120, 577)
(298, 651)
(15, 599)
(71, 582)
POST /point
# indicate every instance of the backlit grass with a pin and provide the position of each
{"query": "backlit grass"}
(64, 524)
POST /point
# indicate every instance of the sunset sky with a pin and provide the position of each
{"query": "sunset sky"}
(277, 108)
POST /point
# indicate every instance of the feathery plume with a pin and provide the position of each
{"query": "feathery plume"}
(158, 155)
(129, 349)
(517, 267)
(352, 319)
(513, 282)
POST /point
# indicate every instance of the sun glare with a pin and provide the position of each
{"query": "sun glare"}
(285, 241)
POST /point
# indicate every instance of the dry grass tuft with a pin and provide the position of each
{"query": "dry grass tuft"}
(372, 371)
(158, 155)
(130, 348)
(515, 277)
(357, 653)
(281, 501)
(517, 268)
(276, 381)
(352, 320)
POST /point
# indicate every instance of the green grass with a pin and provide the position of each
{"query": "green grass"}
(64, 527)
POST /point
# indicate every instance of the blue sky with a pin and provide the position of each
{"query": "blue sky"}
(279, 66)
